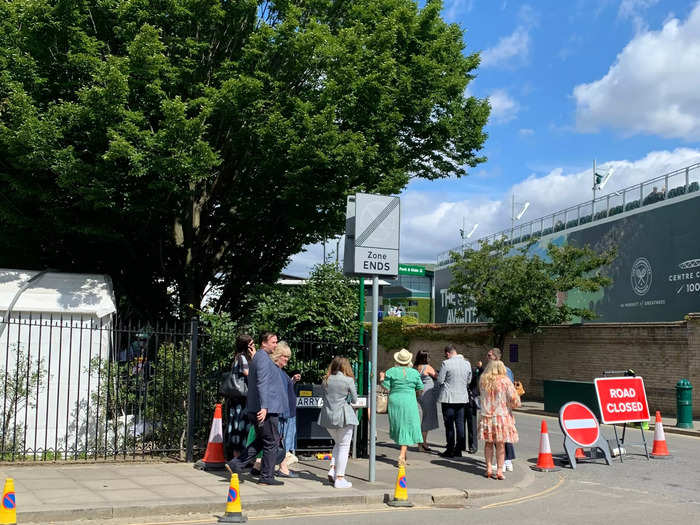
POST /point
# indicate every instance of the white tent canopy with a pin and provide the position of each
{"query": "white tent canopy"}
(68, 293)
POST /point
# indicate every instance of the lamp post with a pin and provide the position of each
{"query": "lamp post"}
(513, 217)
(468, 235)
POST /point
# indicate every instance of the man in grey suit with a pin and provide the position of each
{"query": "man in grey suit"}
(453, 381)
(267, 398)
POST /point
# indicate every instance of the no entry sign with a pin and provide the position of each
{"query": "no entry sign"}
(622, 399)
(579, 423)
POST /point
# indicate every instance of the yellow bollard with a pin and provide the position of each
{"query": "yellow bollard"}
(233, 503)
(401, 490)
(8, 508)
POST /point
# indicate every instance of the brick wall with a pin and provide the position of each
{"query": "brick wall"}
(662, 353)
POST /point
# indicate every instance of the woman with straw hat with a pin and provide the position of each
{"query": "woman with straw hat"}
(403, 383)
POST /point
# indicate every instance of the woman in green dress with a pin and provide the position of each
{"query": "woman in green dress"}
(403, 383)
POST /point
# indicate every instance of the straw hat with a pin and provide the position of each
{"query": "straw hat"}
(403, 357)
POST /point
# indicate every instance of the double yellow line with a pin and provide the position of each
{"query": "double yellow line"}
(525, 498)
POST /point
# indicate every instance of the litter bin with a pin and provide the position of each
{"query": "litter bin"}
(311, 436)
(684, 404)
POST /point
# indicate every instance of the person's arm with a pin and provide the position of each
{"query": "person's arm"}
(352, 391)
(431, 371)
(264, 379)
(442, 375)
(243, 365)
(384, 380)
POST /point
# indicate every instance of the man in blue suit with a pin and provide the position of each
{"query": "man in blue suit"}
(267, 398)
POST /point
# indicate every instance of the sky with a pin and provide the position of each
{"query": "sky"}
(569, 82)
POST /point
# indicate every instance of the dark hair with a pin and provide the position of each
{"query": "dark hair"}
(242, 342)
(422, 358)
(265, 336)
(450, 348)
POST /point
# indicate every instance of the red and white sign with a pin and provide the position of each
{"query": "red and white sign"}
(579, 423)
(622, 399)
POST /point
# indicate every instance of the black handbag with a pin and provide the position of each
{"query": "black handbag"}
(233, 383)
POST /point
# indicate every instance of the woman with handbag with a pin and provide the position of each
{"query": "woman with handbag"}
(404, 384)
(496, 424)
(428, 400)
(235, 389)
(338, 417)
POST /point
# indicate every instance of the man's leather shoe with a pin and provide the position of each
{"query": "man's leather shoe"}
(446, 454)
(273, 481)
(473, 450)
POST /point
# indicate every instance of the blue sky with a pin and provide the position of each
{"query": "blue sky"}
(569, 82)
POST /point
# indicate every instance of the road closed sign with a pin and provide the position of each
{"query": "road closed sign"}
(622, 399)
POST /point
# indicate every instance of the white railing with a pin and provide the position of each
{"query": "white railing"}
(663, 187)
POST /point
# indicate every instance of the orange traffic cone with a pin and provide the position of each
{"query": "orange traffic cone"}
(545, 462)
(214, 456)
(8, 507)
(233, 503)
(660, 450)
(580, 454)
(401, 490)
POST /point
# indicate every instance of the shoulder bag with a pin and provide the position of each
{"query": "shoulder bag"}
(233, 383)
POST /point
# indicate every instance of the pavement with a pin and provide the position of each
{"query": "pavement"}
(55, 492)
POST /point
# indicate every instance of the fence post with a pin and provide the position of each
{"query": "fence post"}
(194, 331)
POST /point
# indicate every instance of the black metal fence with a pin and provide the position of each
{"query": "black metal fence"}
(75, 388)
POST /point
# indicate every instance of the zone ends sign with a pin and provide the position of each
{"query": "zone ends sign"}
(622, 399)
(372, 235)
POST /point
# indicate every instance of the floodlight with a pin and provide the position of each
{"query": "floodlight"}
(522, 212)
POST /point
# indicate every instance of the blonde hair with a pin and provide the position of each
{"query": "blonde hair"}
(493, 370)
(281, 350)
(339, 364)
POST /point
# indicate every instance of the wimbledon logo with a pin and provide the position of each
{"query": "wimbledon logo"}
(641, 276)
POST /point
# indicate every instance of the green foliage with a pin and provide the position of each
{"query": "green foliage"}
(391, 332)
(181, 144)
(324, 308)
(22, 381)
(518, 292)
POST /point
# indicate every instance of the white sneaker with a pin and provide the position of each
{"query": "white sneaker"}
(331, 476)
(494, 467)
(509, 465)
(342, 483)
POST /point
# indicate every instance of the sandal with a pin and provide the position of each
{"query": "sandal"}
(425, 448)
(500, 477)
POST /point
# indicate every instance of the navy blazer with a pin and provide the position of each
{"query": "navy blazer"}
(265, 386)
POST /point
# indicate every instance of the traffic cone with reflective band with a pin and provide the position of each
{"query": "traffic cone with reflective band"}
(660, 450)
(214, 456)
(545, 462)
(8, 509)
(401, 490)
(233, 503)
(580, 454)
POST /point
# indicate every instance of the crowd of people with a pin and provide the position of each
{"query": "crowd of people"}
(476, 403)
(463, 393)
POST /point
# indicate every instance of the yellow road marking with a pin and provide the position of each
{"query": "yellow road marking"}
(525, 498)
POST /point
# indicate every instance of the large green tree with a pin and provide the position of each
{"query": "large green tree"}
(179, 144)
(519, 291)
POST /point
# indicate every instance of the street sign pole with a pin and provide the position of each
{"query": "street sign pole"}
(373, 393)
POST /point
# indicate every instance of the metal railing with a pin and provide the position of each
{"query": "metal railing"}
(667, 186)
(78, 388)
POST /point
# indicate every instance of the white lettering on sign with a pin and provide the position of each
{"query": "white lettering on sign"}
(621, 408)
(623, 392)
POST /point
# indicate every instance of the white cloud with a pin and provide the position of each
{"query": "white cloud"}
(526, 132)
(652, 87)
(632, 9)
(430, 221)
(513, 49)
(454, 8)
(503, 107)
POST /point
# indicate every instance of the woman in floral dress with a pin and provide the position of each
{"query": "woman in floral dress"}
(496, 424)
